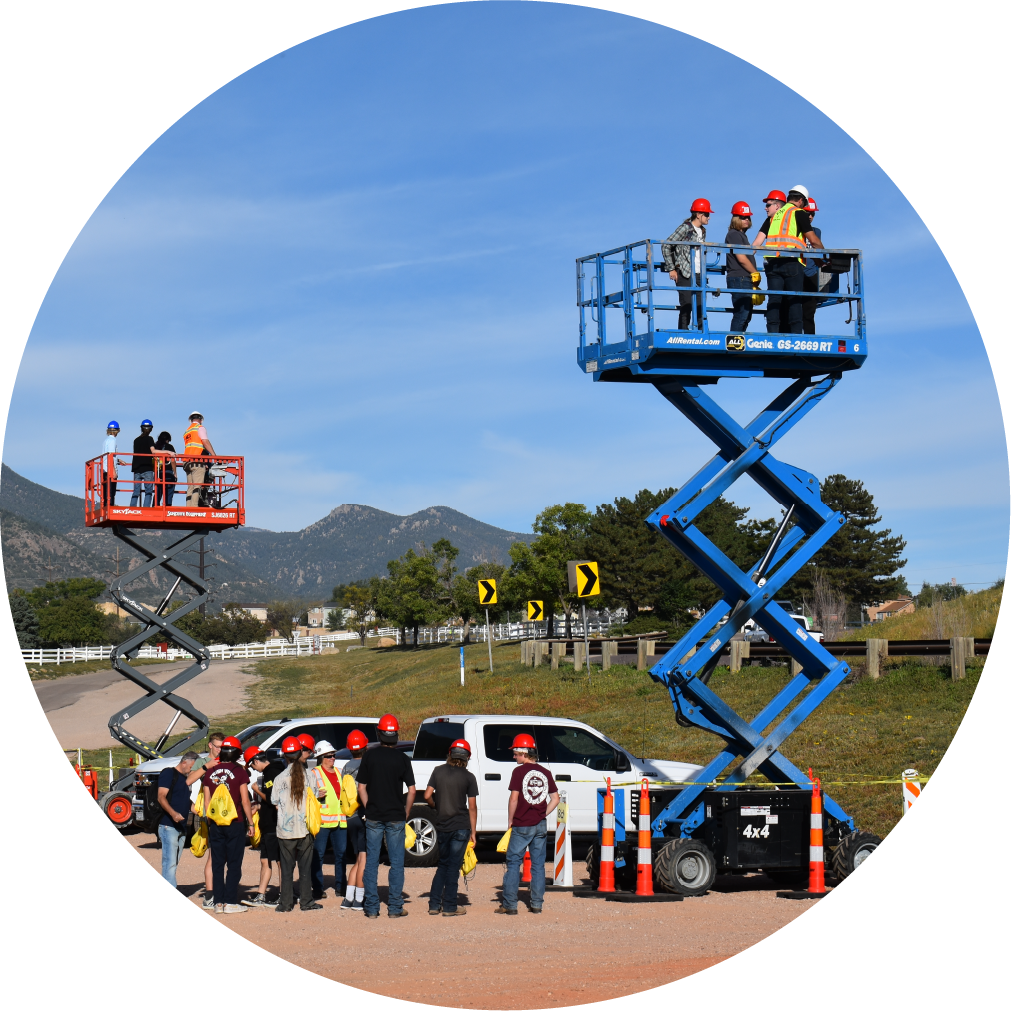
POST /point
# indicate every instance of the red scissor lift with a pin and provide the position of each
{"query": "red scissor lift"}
(213, 499)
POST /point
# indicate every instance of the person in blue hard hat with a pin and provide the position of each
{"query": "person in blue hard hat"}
(109, 471)
(143, 465)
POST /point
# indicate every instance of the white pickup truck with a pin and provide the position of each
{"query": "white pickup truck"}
(580, 758)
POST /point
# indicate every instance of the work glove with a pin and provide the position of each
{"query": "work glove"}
(757, 299)
(755, 277)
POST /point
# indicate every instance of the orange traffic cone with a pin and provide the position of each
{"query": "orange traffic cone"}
(644, 869)
(606, 883)
(816, 879)
(526, 867)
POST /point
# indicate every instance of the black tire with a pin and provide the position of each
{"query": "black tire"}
(852, 851)
(685, 867)
(790, 879)
(592, 869)
(425, 851)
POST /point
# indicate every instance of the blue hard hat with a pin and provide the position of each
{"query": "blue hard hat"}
(147, 421)
(113, 424)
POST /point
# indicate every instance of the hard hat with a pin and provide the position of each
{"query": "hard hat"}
(388, 724)
(112, 424)
(523, 742)
(742, 209)
(460, 745)
(811, 205)
(357, 740)
(776, 195)
(701, 206)
(323, 748)
(147, 423)
(196, 414)
(290, 746)
(231, 742)
(802, 190)
(230, 749)
(253, 752)
(307, 741)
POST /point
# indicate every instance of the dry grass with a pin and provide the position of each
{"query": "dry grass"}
(974, 614)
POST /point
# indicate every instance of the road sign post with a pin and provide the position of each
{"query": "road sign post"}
(487, 593)
(461, 666)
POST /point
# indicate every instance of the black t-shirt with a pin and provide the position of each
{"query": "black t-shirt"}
(385, 773)
(178, 796)
(141, 445)
(453, 786)
(268, 813)
(804, 226)
(734, 266)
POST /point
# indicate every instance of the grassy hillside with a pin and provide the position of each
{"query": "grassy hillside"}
(34, 554)
(974, 614)
(867, 730)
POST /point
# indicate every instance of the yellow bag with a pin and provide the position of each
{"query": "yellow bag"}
(313, 813)
(410, 837)
(198, 804)
(349, 795)
(198, 844)
(503, 843)
(255, 843)
(469, 860)
(222, 808)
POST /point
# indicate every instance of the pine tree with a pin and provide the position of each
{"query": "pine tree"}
(26, 621)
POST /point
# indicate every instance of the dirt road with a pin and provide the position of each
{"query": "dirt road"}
(576, 951)
(78, 707)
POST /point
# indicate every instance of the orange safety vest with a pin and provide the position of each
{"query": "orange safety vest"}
(783, 233)
(194, 445)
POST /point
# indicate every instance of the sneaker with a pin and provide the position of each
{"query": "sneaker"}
(312, 905)
(457, 912)
(359, 906)
(219, 907)
(348, 903)
(507, 911)
(256, 899)
(233, 907)
(282, 909)
(208, 902)
(434, 912)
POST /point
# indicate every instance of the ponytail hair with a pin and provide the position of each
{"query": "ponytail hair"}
(297, 778)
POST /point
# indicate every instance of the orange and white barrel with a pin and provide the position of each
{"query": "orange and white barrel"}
(563, 844)
(910, 788)
(606, 883)
(644, 869)
(816, 878)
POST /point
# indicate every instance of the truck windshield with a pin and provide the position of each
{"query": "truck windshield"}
(255, 736)
(433, 741)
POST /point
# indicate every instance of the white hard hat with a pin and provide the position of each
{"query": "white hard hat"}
(323, 748)
(802, 190)
(200, 414)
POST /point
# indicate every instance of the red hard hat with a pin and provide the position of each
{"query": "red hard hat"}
(776, 195)
(290, 745)
(523, 741)
(811, 205)
(250, 753)
(388, 724)
(231, 742)
(742, 209)
(461, 744)
(701, 206)
(357, 740)
(307, 741)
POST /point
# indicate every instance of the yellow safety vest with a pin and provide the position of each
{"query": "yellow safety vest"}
(194, 444)
(783, 233)
(332, 815)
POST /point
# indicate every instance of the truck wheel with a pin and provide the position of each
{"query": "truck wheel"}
(425, 851)
(852, 851)
(118, 808)
(686, 867)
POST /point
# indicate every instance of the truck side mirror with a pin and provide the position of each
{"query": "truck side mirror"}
(622, 764)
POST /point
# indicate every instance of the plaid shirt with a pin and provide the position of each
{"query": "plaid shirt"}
(676, 257)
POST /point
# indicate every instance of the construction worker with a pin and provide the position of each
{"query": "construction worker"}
(533, 795)
(741, 269)
(787, 230)
(684, 263)
(227, 843)
(382, 776)
(354, 897)
(109, 461)
(265, 770)
(452, 791)
(325, 782)
(196, 443)
(288, 795)
(815, 279)
(143, 465)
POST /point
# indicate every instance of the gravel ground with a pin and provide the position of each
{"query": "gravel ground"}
(576, 951)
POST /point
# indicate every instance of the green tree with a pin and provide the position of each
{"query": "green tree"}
(282, 616)
(232, 625)
(931, 593)
(26, 621)
(85, 588)
(68, 614)
(362, 600)
(465, 600)
(335, 619)
(412, 594)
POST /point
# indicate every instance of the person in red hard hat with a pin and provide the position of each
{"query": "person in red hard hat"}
(382, 777)
(816, 280)
(452, 791)
(533, 795)
(684, 263)
(741, 269)
(262, 773)
(354, 895)
(289, 796)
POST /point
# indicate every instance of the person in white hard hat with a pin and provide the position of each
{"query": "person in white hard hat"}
(196, 443)
(325, 782)
(787, 234)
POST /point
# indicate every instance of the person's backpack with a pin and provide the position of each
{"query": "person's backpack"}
(410, 836)
(469, 860)
(257, 837)
(198, 844)
(313, 813)
(349, 795)
(222, 808)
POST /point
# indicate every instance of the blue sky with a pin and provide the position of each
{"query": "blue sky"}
(357, 260)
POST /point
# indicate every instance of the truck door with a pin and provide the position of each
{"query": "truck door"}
(495, 768)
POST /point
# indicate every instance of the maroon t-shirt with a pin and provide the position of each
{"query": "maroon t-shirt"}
(234, 776)
(534, 784)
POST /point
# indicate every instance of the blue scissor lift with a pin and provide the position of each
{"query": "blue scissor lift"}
(723, 823)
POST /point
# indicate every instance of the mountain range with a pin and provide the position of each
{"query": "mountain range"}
(44, 537)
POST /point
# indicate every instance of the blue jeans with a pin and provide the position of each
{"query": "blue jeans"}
(536, 837)
(442, 894)
(172, 839)
(147, 479)
(338, 837)
(743, 306)
(393, 831)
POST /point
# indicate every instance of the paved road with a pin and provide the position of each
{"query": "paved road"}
(78, 707)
